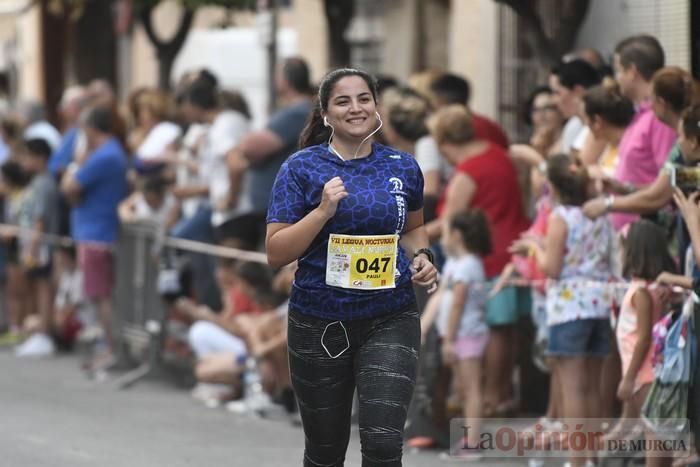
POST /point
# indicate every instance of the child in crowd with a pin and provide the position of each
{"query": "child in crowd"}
(578, 254)
(153, 202)
(266, 338)
(216, 338)
(72, 313)
(460, 322)
(645, 259)
(38, 216)
(687, 203)
(13, 188)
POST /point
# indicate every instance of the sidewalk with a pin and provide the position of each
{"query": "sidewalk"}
(54, 417)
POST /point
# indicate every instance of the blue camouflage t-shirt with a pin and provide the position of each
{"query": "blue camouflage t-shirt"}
(382, 189)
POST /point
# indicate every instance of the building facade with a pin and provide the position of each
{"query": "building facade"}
(480, 39)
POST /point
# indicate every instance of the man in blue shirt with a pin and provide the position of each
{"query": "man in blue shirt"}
(72, 103)
(95, 184)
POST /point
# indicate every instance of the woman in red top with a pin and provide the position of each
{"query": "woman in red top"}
(485, 178)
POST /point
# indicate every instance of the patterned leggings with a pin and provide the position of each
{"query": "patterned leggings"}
(381, 361)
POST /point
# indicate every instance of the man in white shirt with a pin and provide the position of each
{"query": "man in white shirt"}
(569, 82)
(199, 104)
(226, 129)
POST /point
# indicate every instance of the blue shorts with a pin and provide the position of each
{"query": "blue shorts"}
(583, 337)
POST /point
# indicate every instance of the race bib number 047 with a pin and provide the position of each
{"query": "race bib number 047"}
(363, 262)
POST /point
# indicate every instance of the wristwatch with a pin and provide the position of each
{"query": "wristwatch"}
(427, 252)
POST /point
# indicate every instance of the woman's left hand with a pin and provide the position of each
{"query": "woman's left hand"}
(523, 246)
(625, 390)
(449, 356)
(424, 273)
(690, 210)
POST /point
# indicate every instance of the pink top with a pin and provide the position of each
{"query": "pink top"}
(643, 151)
(628, 334)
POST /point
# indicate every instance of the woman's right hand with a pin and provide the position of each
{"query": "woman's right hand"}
(333, 192)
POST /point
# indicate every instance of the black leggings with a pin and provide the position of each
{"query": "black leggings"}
(381, 361)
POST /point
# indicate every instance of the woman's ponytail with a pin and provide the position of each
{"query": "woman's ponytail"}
(314, 132)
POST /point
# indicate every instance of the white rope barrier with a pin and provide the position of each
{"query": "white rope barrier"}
(178, 243)
(254, 256)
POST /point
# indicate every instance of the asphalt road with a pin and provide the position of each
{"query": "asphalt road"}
(53, 416)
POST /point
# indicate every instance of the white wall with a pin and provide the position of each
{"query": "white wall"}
(238, 58)
(473, 50)
(29, 61)
(610, 21)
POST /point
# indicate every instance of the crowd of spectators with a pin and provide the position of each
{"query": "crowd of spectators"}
(521, 228)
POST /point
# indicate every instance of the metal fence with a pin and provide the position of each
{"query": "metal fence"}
(140, 313)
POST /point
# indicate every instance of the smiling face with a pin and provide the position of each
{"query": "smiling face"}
(352, 109)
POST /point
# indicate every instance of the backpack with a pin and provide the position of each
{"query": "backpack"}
(665, 409)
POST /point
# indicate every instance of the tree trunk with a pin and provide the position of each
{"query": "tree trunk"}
(166, 52)
(549, 50)
(165, 68)
(95, 45)
(339, 14)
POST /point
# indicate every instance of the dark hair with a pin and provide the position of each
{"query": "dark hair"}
(14, 174)
(258, 275)
(385, 82)
(99, 117)
(201, 94)
(677, 87)
(315, 132)
(569, 178)
(69, 251)
(451, 88)
(234, 100)
(607, 102)
(296, 73)
(645, 252)
(269, 299)
(11, 127)
(38, 147)
(207, 77)
(644, 52)
(576, 72)
(530, 102)
(243, 232)
(691, 122)
(154, 184)
(475, 231)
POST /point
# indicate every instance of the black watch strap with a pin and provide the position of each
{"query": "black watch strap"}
(427, 252)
